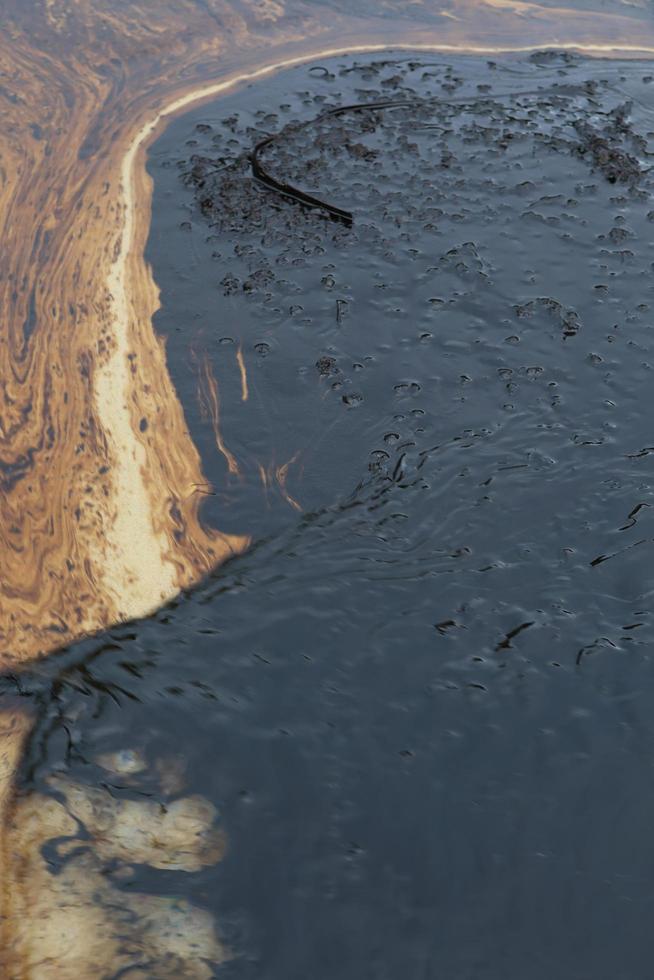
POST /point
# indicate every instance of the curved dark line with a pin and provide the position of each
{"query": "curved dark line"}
(340, 214)
(300, 196)
(294, 193)
(362, 106)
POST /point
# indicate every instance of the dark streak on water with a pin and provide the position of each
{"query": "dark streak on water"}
(424, 706)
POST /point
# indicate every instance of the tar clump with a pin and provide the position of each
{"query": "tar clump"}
(602, 148)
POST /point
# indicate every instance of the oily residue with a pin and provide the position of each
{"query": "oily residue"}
(240, 360)
(82, 485)
(210, 406)
(435, 396)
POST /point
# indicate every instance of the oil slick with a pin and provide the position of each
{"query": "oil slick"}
(99, 505)
(94, 451)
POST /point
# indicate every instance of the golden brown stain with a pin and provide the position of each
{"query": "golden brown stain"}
(281, 475)
(244, 375)
(263, 475)
(98, 516)
(210, 404)
(273, 474)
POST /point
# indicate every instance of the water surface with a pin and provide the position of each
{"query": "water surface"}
(422, 701)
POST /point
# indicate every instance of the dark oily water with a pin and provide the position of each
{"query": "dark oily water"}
(422, 702)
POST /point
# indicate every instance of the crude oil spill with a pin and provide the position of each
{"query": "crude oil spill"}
(422, 703)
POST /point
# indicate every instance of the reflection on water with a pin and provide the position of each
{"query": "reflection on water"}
(408, 733)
